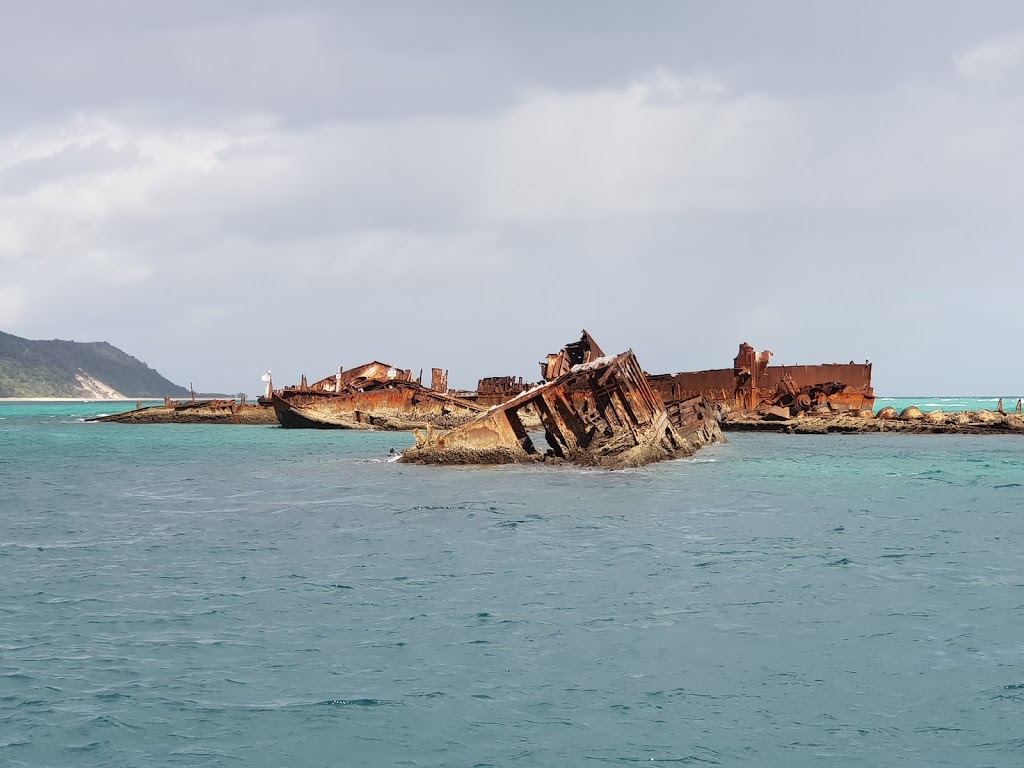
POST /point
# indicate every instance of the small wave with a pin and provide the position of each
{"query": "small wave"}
(110, 720)
(91, 746)
(353, 703)
(111, 696)
(389, 460)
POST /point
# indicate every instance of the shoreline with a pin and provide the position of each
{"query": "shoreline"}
(80, 399)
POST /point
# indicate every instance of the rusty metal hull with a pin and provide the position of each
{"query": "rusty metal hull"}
(601, 413)
(572, 354)
(194, 412)
(354, 379)
(495, 390)
(753, 385)
(399, 406)
(358, 377)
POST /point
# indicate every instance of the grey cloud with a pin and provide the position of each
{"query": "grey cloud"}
(313, 61)
(75, 159)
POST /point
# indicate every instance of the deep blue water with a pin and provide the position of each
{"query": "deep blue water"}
(252, 596)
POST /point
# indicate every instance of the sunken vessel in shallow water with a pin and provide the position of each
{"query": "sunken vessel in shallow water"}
(372, 396)
(600, 411)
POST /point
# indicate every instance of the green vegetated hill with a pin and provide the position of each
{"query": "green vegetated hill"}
(70, 369)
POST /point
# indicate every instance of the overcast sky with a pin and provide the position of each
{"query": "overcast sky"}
(219, 188)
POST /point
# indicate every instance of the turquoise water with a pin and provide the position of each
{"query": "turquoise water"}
(949, 403)
(219, 596)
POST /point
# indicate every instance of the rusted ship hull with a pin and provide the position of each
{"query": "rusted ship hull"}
(601, 413)
(572, 354)
(752, 385)
(495, 390)
(290, 415)
(195, 412)
(368, 375)
(374, 395)
(398, 407)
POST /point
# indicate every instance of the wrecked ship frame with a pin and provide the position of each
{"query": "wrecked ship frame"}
(598, 413)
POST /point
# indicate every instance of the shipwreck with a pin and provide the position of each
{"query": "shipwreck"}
(193, 412)
(594, 410)
(494, 390)
(755, 389)
(372, 396)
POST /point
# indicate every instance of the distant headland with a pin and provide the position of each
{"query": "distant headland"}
(71, 369)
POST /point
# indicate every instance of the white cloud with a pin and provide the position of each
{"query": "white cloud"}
(554, 156)
(124, 195)
(664, 87)
(650, 147)
(990, 60)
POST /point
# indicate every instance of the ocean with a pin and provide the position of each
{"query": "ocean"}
(177, 595)
(949, 404)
